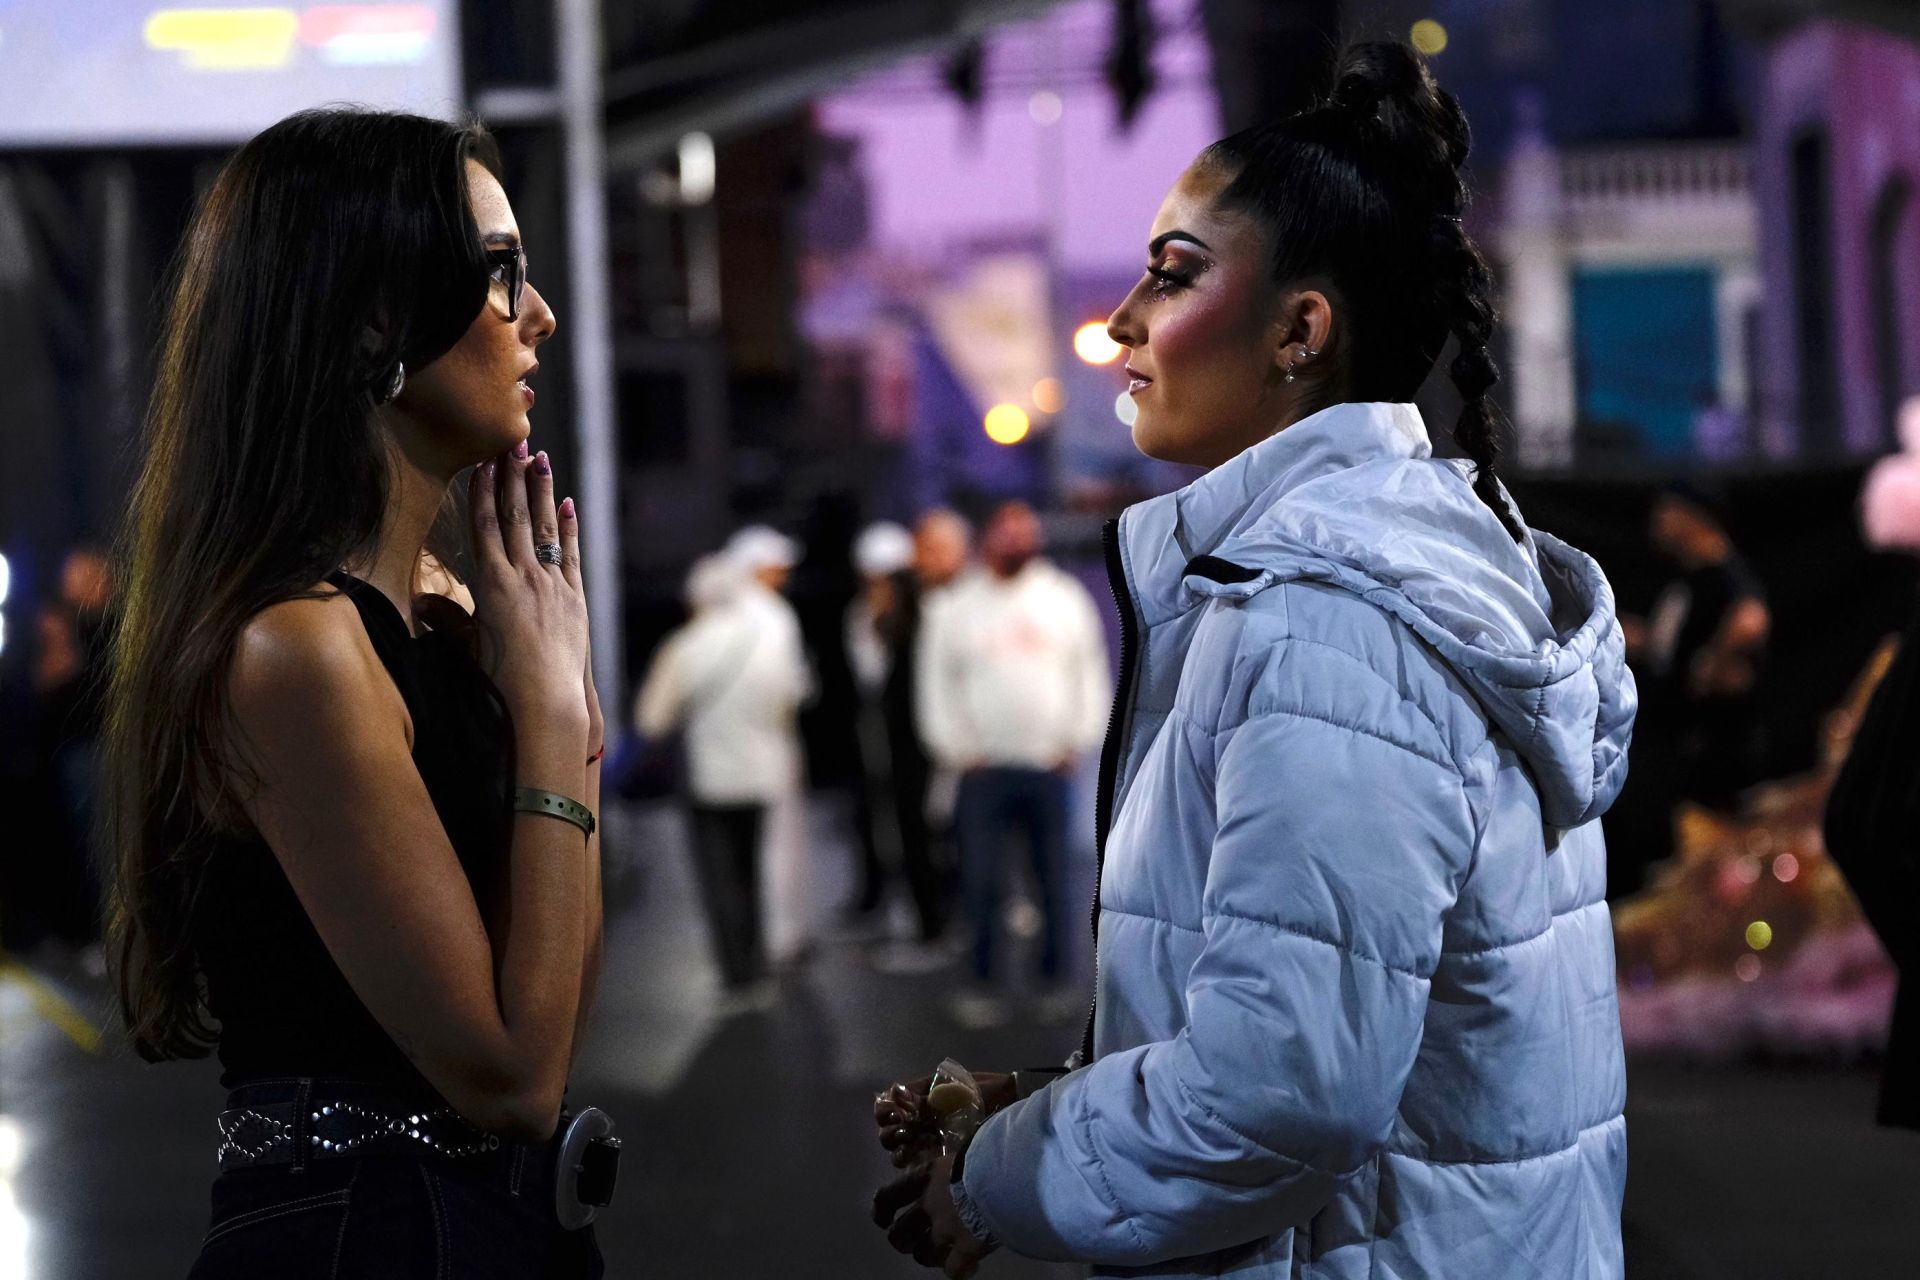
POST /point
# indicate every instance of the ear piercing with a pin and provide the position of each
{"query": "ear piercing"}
(1306, 353)
(396, 382)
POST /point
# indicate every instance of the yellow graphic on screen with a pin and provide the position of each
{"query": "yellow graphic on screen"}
(226, 39)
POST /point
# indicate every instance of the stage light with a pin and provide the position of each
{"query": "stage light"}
(1091, 343)
(1007, 424)
(697, 167)
(1429, 37)
(1049, 396)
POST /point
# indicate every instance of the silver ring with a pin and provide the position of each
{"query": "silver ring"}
(547, 553)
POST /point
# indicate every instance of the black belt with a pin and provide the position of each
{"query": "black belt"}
(581, 1161)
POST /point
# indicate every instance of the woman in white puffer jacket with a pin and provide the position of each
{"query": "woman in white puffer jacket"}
(1355, 1010)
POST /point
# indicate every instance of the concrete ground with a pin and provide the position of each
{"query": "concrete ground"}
(749, 1151)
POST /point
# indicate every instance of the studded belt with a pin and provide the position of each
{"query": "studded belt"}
(280, 1132)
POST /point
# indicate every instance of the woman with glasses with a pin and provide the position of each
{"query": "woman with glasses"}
(352, 796)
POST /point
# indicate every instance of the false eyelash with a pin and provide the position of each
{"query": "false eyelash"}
(1169, 281)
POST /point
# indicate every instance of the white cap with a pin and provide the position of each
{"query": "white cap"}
(757, 547)
(712, 581)
(882, 549)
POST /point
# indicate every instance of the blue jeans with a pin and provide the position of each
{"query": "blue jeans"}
(995, 804)
(399, 1215)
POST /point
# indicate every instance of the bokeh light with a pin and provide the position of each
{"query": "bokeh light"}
(1429, 37)
(1007, 424)
(1747, 967)
(1785, 868)
(1748, 869)
(698, 166)
(1049, 396)
(1125, 408)
(1045, 107)
(1759, 935)
(1091, 343)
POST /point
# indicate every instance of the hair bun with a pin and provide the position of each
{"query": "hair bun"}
(1384, 87)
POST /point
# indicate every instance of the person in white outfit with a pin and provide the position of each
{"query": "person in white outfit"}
(793, 906)
(732, 683)
(1014, 689)
(883, 556)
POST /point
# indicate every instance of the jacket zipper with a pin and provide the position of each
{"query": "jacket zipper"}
(1110, 750)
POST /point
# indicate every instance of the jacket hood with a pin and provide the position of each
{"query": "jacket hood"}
(1353, 497)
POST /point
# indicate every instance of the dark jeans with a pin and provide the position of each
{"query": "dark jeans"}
(926, 877)
(897, 805)
(994, 804)
(391, 1215)
(726, 855)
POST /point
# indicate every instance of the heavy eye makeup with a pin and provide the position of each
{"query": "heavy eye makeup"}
(1173, 274)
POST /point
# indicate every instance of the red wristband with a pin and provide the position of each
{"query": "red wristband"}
(595, 757)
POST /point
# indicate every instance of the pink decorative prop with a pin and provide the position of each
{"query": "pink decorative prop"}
(1890, 500)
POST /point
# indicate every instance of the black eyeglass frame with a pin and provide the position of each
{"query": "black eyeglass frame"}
(513, 261)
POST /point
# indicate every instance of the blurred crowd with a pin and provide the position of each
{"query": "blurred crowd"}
(970, 673)
(980, 685)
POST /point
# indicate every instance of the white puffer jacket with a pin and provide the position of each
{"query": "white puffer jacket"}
(1356, 1010)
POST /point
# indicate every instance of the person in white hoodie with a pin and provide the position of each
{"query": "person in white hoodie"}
(793, 907)
(732, 683)
(1014, 688)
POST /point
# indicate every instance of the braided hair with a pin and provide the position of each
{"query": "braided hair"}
(1366, 191)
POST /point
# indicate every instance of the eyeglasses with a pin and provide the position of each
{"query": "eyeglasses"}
(509, 270)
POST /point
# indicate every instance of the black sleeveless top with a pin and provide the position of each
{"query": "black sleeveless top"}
(283, 1006)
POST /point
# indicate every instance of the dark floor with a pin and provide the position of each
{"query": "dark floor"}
(749, 1150)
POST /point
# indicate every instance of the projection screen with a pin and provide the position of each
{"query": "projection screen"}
(132, 72)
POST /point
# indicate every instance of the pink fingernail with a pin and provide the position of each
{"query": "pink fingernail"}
(520, 450)
(540, 461)
(566, 508)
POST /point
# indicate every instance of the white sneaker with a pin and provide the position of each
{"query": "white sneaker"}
(977, 1010)
(1023, 918)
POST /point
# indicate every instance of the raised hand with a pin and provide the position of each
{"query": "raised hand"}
(570, 567)
(534, 614)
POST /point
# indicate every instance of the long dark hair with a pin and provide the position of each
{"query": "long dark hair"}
(331, 247)
(1366, 191)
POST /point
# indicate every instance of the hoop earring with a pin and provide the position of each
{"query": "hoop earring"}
(396, 382)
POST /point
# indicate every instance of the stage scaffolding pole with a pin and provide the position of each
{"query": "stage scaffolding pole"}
(589, 326)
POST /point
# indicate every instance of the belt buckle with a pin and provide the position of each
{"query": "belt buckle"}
(586, 1166)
